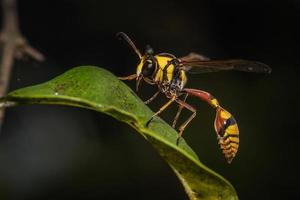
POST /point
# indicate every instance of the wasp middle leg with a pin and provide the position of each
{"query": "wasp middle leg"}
(179, 111)
(162, 109)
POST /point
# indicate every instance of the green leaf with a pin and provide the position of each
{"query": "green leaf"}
(97, 89)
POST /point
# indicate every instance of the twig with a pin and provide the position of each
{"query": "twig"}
(13, 45)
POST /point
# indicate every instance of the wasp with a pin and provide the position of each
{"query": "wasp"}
(169, 74)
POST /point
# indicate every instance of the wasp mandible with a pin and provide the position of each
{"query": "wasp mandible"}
(169, 74)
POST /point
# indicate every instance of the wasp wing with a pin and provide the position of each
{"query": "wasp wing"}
(192, 57)
(204, 66)
(166, 55)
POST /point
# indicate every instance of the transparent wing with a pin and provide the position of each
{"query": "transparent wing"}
(193, 57)
(204, 66)
(166, 55)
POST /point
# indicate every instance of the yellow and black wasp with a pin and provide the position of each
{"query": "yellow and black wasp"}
(169, 74)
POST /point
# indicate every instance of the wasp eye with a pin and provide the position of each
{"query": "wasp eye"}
(149, 64)
(148, 68)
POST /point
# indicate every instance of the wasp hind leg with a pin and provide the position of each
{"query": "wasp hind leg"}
(130, 77)
(184, 125)
(161, 109)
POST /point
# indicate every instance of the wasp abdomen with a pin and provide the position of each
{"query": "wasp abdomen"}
(228, 133)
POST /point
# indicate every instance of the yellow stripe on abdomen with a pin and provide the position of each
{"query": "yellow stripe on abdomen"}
(228, 133)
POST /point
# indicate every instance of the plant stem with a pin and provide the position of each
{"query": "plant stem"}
(13, 45)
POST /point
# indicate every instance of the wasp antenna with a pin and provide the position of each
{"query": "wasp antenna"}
(129, 41)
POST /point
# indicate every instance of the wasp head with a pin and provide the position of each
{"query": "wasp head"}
(147, 64)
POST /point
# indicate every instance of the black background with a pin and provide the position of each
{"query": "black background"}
(56, 152)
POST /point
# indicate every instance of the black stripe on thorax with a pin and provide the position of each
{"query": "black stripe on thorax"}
(165, 71)
(176, 72)
(156, 67)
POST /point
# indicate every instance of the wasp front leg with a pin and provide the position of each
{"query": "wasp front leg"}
(225, 125)
(130, 77)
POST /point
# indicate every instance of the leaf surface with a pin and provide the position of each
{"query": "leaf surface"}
(97, 89)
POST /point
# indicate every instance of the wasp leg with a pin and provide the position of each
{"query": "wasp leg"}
(161, 109)
(149, 81)
(183, 126)
(179, 111)
(130, 77)
(152, 98)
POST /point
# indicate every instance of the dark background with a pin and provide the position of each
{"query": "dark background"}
(56, 152)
